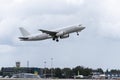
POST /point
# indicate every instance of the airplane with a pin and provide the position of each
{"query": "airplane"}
(47, 34)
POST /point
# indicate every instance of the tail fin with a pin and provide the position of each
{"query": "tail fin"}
(24, 32)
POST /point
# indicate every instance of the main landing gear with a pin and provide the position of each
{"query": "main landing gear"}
(55, 38)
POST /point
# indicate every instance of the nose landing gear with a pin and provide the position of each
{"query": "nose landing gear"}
(77, 33)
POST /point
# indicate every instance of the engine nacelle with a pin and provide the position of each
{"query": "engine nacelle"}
(60, 33)
(64, 36)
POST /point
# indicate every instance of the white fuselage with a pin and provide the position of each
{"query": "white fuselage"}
(59, 33)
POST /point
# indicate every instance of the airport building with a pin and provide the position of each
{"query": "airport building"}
(112, 75)
(9, 71)
(106, 75)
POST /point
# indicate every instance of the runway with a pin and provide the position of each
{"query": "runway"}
(52, 79)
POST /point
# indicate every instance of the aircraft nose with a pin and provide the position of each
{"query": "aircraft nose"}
(82, 28)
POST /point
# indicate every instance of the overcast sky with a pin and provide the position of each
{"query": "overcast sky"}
(98, 46)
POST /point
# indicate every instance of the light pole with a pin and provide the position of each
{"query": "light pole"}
(27, 63)
(44, 69)
(51, 67)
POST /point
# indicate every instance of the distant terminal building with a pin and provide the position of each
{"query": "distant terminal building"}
(9, 71)
(115, 75)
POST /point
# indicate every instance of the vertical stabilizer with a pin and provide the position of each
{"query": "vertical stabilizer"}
(24, 32)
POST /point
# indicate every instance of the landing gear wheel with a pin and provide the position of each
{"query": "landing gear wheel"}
(53, 39)
(77, 33)
(57, 40)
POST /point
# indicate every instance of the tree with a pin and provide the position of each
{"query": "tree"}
(58, 73)
(67, 73)
(114, 71)
(87, 71)
(78, 69)
(100, 70)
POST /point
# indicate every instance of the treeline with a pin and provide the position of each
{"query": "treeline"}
(70, 73)
(79, 70)
(58, 72)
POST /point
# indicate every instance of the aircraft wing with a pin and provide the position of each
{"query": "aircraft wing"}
(52, 33)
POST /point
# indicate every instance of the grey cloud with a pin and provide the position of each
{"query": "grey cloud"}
(39, 7)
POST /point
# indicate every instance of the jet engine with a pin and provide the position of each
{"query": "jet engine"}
(64, 36)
